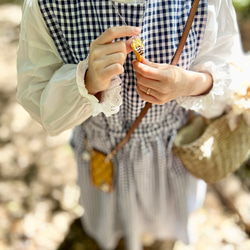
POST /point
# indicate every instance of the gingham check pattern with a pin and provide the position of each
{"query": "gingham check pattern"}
(74, 24)
(153, 191)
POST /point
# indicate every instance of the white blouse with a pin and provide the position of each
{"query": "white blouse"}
(54, 93)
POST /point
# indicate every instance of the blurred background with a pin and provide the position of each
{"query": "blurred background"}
(39, 207)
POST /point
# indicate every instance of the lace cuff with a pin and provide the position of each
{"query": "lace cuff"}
(204, 104)
(111, 99)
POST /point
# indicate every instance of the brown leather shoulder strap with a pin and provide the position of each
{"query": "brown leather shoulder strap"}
(185, 32)
(174, 62)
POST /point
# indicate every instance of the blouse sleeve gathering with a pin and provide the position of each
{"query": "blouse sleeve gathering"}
(220, 47)
(53, 92)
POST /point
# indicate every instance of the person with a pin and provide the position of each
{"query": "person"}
(76, 70)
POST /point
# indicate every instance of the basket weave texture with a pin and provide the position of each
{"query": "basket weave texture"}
(217, 152)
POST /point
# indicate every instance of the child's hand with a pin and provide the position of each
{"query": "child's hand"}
(106, 58)
(161, 83)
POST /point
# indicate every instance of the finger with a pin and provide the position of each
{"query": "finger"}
(161, 87)
(147, 82)
(113, 70)
(99, 52)
(108, 49)
(155, 65)
(145, 97)
(151, 95)
(114, 58)
(164, 73)
(152, 92)
(128, 45)
(148, 91)
(117, 32)
(115, 47)
(151, 64)
(146, 71)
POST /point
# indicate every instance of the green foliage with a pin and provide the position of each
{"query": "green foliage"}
(242, 7)
(241, 4)
(19, 2)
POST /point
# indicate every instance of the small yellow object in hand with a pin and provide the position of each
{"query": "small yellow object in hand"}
(138, 48)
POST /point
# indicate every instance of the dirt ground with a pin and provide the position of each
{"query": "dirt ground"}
(38, 191)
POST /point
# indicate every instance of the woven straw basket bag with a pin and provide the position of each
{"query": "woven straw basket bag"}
(211, 152)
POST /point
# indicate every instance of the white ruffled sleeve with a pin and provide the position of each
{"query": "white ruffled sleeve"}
(110, 99)
(220, 47)
(52, 92)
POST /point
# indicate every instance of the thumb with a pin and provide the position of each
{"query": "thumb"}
(128, 44)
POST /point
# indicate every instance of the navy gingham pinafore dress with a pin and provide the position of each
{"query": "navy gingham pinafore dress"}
(153, 191)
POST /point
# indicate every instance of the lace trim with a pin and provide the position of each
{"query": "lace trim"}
(111, 99)
(203, 102)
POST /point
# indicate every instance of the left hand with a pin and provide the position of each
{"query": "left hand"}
(167, 82)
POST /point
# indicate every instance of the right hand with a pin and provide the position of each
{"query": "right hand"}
(106, 58)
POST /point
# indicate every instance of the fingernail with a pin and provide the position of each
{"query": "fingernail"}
(137, 30)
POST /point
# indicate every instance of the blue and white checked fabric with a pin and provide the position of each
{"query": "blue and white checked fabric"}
(153, 191)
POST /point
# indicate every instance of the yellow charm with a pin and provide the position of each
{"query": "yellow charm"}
(138, 49)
